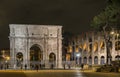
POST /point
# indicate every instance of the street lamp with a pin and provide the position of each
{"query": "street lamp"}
(78, 55)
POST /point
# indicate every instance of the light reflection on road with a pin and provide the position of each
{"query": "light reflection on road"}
(56, 73)
(79, 74)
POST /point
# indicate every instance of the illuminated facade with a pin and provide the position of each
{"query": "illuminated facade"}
(4, 56)
(35, 44)
(90, 48)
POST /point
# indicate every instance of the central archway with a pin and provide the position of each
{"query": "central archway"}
(36, 53)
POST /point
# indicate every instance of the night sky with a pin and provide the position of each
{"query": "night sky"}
(74, 15)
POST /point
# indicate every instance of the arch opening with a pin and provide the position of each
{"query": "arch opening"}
(85, 60)
(95, 60)
(117, 57)
(117, 45)
(52, 57)
(102, 60)
(35, 53)
(90, 60)
(19, 59)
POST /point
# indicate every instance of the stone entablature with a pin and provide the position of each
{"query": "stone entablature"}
(34, 30)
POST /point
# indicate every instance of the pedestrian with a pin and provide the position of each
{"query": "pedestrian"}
(64, 66)
(25, 66)
(32, 66)
(69, 66)
(1, 66)
(21, 66)
(14, 66)
(51, 66)
(40, 66)
(37, 67)
(82, 65)
(44, 66)
(5, 66)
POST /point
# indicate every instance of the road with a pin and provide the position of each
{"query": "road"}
(55, 73)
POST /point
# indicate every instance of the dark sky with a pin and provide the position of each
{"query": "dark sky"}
(74, 15)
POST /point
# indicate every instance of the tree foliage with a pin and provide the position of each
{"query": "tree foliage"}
(110, 15)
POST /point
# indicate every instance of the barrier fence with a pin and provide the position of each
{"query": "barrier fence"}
(33, 64)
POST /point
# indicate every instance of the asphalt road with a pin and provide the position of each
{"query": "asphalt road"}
(55, 73)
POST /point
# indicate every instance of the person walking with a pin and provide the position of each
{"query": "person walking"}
(21, 67)
(40, 66)
(1, 66)
(14, 66)
(64, 66)
(37, 67)
(82, 65)
(25, 66)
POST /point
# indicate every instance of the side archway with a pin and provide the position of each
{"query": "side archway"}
(85, 60)
(95, 60)
(117, 45)
(117, 57)
(90, 60)
(102, 60)
(19, 59)
(52, 57)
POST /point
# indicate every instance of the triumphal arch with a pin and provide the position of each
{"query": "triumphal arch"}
(35, 44)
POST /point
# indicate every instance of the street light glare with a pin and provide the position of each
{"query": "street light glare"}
(7, 58)
(117, 34)
(77, 55)
(112, 32)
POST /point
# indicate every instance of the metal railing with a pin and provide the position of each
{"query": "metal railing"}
(33, 64)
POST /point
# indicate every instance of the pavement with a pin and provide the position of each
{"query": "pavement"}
(55, 73)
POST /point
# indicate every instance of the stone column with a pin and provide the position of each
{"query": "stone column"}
(60, 54)
(60, 47)
(92, 60)
(99, 60)
(57, 59)
(12, 51)
(99, 49)
(92, 53)
(82, 59)
(28, 52)
(92, 48)
(45, 53)
(57, 52)
(105, 53)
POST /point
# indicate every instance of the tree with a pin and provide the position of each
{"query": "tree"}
(110, 16)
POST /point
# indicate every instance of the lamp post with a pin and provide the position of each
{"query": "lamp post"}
(108, 44)
(78, 55)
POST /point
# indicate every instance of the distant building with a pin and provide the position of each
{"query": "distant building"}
(4, 55)
(90, 48)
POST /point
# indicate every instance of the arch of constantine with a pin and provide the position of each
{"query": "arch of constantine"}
(35, 44)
